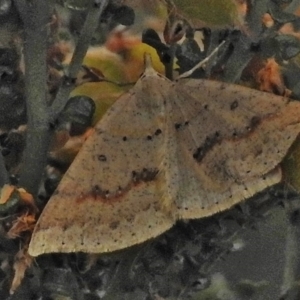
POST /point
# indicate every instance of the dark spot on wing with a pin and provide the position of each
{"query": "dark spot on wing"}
(234, 105)
(210, 141)
(158, 131)
(177, 126)
(97, 191)
(234, 134)
(102, 157)
(254, 122)
(124, 138)
(144, 176)
(114, 225)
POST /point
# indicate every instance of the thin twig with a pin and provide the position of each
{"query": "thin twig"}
(83, 43)
(201, 63)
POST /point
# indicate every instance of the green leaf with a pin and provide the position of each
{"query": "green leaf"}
(214, 12)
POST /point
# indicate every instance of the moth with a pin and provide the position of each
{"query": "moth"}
(166, 151)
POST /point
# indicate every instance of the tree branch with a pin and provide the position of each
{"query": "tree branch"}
(35, 15)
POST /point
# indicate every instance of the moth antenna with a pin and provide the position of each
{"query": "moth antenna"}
(201, 63)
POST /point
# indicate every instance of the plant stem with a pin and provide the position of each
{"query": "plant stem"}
(35, 15)
(292, 253)
(3, 173)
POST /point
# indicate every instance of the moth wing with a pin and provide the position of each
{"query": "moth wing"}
(231, 140)
(99, 227)
(112, 195)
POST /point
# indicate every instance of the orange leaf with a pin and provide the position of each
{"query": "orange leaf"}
(270, 79)
(27, 199)
(6, 192)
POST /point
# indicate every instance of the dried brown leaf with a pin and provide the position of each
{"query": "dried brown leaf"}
(25, 222)
(6, 192)
(22, 261)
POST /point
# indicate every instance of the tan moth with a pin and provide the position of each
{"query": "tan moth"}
(166, 151)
